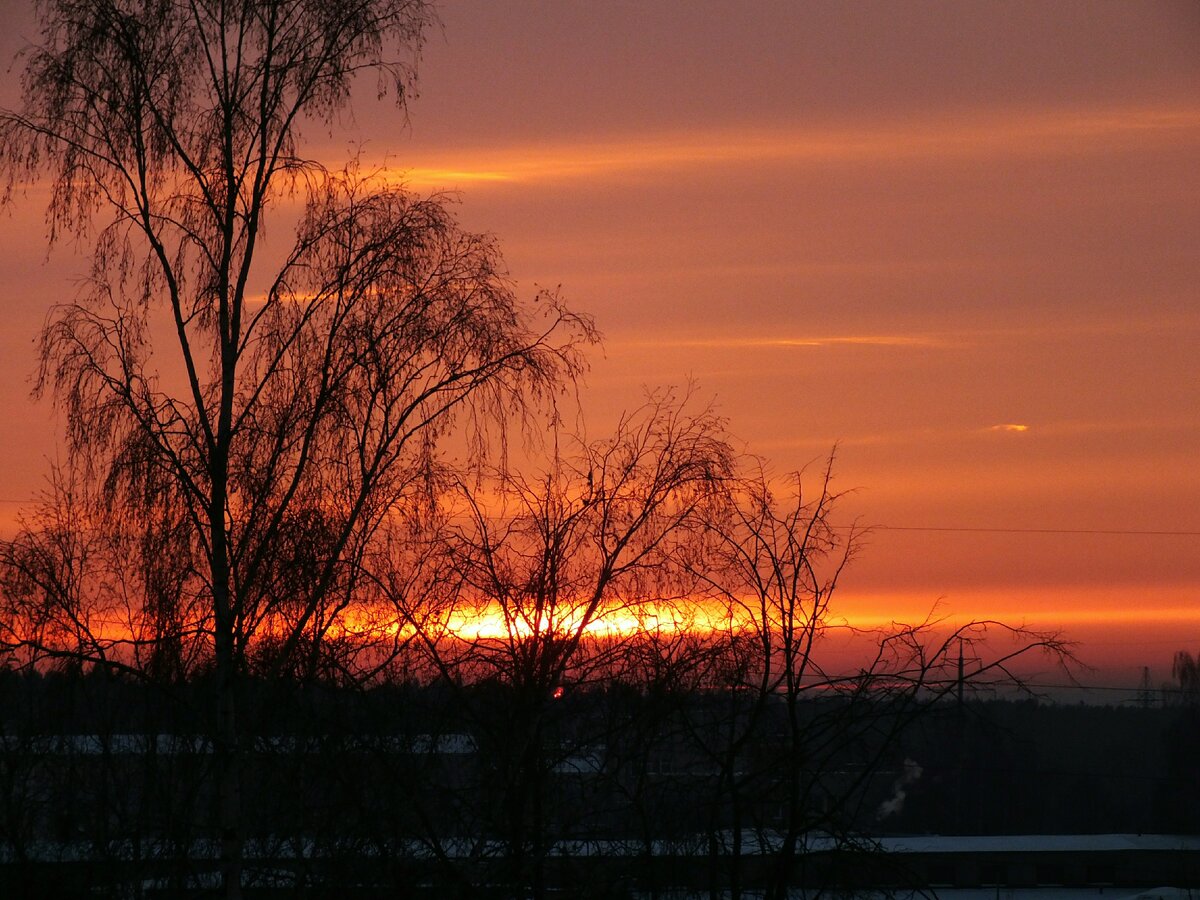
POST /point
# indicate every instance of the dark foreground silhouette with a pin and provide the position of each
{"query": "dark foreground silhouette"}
(427, 790)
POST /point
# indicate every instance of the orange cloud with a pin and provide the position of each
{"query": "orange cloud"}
(750, 343)
(1041, 133)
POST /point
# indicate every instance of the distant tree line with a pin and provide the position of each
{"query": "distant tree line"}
(407, 788)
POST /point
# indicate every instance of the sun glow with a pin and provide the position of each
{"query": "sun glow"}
(493, 622)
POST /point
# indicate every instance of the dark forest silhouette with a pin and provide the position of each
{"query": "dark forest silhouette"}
(406, 787)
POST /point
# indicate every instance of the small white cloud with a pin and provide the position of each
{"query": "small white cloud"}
(1009, 426)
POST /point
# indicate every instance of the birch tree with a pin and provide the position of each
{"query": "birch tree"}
(277, 408)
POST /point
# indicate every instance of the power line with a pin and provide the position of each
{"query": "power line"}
(950, 528)
(1147, 643)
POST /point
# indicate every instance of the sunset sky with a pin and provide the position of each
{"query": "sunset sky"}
(962, 241)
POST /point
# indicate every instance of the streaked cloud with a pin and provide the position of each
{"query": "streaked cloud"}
(753, 343)
(1015, 133)
(922, 436)
(1010, 427)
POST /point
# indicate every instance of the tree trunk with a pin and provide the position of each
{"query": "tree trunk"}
(228, 758)
(227, 751)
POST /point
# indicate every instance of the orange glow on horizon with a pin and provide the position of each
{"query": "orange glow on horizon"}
(1114, 639)
(489, 622)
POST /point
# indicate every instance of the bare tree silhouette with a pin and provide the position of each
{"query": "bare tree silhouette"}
(533, 573)
(275, 413)
(791, 719)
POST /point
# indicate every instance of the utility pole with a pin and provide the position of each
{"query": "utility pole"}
(1145, 693)
(960, 725)
(960, 675)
